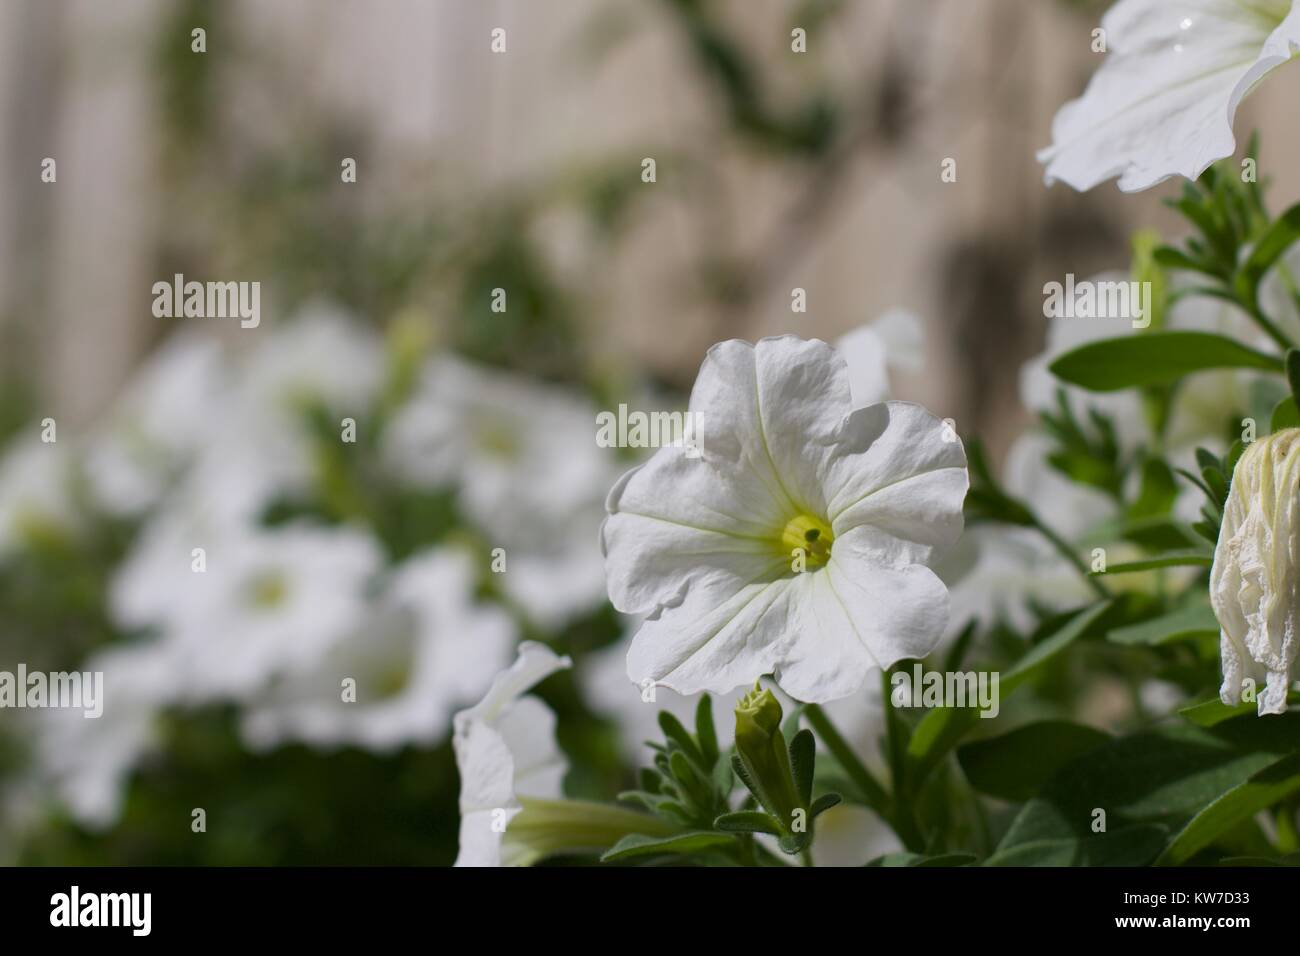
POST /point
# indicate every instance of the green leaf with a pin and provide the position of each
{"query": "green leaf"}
(1155, 358)
(1161, 777)
(1184, 624)
(638, 844)
(1170, 559)
(1015, 765)
(748, 821)
(1292, 363)
(1285, 414)
(1264, 788)
(917, 859)
(705, 735)
(1279, 237)
(824, 803)
(940, 729)
(803, 760)
(1210, 712)
(675, 732)
(1128, 846)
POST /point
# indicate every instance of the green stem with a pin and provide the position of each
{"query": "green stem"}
(1069, 554)
(1265, 323)
(870, 789)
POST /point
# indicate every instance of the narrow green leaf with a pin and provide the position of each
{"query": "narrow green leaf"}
(941, 729)
(1265, 788)
(803, 760)
(705, 735)
(638, 844)
(824, 803)
(1155, 358)
(1279, 237)
(1170, 559)
(1184, 624)
(917, 859)
(748, 821)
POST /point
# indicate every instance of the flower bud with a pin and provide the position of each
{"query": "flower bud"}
(1253, 580)
(762, 749)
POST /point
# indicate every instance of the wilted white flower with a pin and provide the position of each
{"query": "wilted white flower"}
(266, 602)
(1253, 580)
(506, 751)
(1163, 101)
(797, 544)
(428, 648)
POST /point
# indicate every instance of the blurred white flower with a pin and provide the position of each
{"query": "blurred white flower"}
(320, 356)
(506, 751)
(88, 761)
(260, 447)
(167, 414)
(35, 493)
(1163, 101)
(524, 461)
(268, 602)
(428, 649)
(797, 545)
(1253, 580)
(893, 341)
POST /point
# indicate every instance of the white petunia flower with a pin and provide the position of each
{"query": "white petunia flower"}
(165, 417)
(267, 602)
(797, 545)
(1163, 101)
(893, 341)
(259, 444)
(506, 750)
(87, 760)
(1253, 580)
(35, 493)
(428, 650)
(528, 473)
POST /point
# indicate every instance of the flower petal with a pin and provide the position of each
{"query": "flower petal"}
(1163, 102)
(902, 471)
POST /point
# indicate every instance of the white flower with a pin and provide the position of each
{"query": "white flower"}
(261, 445)
(165, 417)
(1163, 101)
(528, 473)
(267, 602)
(515, 449)
(35, 493)
(893, 341)
(1253, 580)
(429, 649)
(320, 356)
(506, 750)
(87, 761)
(797, 544)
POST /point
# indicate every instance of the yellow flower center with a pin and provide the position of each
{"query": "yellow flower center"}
(268, 590)
(810, 535)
